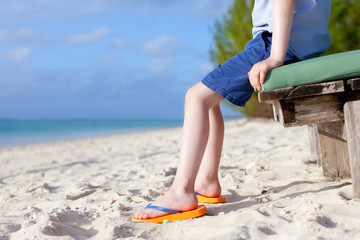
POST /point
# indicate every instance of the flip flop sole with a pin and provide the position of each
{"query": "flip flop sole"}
(198, 212)
(203, 199)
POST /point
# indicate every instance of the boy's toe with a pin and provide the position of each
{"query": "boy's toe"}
(138, 214)
(141, 214)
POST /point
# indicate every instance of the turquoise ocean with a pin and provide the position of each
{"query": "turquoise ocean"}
(18, 132)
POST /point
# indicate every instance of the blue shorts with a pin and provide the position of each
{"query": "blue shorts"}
(231, 80)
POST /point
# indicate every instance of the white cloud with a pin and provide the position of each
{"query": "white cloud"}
(119, 42)
(160, 64)
(161, 52)
(6, 34)
(24, 32)
(12, 8)
(64, 8)
(50, 9)
(205, 68)
(163, 45)
(45, 1)
(112, 59)
(210, 8)
(18, 55)
(87, 37)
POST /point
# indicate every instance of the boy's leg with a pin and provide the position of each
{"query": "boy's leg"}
(207, 180)
(181, 195)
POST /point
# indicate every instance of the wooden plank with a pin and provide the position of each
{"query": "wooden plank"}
(317, 89)
(313, 110)
(314, 143)
(334, 156)
(352, 122)
(302, 91)
(334, 128)
(272, 95)
(278, 117)
(283, 110)
(354, 83)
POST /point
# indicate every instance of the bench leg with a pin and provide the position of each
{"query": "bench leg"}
(314, 143)
(334, 156)
(352, 123)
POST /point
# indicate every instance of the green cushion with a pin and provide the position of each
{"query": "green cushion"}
(327, 68)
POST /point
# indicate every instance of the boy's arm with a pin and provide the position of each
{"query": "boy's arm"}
(282, 16)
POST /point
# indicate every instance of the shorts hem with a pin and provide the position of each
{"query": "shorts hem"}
(223, 93)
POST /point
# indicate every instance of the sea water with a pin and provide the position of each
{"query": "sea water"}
(16, 132)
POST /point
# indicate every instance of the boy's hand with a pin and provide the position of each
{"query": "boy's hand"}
(258, 71)
(282, 17)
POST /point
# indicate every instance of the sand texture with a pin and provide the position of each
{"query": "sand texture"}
(89, 189)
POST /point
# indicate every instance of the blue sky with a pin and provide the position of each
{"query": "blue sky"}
(103, 58)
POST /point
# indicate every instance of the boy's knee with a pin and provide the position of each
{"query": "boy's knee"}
(191, 92)
(195, 95)
(191, 96)
(201, 95)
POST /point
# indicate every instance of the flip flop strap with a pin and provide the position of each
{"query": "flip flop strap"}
(162, 209)
(196, 193)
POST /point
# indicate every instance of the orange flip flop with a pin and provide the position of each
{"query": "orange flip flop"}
(203, 199)
(173, 215)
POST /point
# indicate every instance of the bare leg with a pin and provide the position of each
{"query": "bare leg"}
(181, 195)
(207, 180)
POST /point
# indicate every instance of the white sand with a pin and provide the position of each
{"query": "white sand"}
(89, 189)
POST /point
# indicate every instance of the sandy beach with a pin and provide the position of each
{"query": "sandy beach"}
(89, 189)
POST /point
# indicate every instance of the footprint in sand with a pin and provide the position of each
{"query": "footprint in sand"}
(325, 222)
(80, 195)
(70, 223)
(8, 228)
(123, 231)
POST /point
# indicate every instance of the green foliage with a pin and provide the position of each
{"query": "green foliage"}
(233, 32)
(344, 26)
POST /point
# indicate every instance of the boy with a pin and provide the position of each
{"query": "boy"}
(285, 31)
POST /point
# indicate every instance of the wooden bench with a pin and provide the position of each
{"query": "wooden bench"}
(332, 112)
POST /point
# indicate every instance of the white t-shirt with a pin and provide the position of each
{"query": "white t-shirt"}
(309, 33)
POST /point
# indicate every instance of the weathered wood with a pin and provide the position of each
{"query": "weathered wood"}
(278, 117)
(317, 89)
(283, 111)
(354, 83)
(334, 156)
(302, 91)
(310, 110)
(324, 108)
(314, 143)
(352, 122)
(277, 94)
(335, 128)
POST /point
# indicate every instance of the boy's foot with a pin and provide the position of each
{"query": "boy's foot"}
(173, 215)
(177, 201)
(204, 199)
(210, 189)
